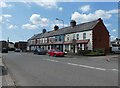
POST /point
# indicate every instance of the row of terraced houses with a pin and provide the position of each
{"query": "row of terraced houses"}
(86, 36)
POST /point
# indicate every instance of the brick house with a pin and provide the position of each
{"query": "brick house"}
(86, 36)
(3, 44)
(21, 45)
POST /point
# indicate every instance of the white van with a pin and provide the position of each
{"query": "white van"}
(116, 49)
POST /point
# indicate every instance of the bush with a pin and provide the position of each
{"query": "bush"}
(96, 52)
(83, 52)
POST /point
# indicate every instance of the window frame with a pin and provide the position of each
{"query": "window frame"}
(84, 35)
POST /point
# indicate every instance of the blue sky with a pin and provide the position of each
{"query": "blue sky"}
(21, 20)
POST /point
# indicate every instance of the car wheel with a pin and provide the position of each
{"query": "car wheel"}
(47, 54)
(54, 55)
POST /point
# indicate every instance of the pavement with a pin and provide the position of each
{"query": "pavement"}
(0, 70)
(5, 77)
(27, 69)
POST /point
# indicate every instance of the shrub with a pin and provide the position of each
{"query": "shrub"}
(96, 52)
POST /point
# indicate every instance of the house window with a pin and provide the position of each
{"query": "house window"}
(59, 38)
(37, 41)
(73, 36)
(117, 42)
(84, 35)
(77, 36)
(67, 38)
(55, 39)
(45, 41)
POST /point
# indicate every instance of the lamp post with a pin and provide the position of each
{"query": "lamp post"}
(60, 20)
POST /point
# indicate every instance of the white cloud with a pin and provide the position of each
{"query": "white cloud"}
(112, 37)
(60, 8)
(36, 19)
(12, 26)
(4, 4)
(48, 4)
(44, 22)
(114, 30)
(5, 18)
(107, 25)
(114, 11)
(92, 16)
(51, 4)
(85, 8)
(43, 3)
(60, 25)
(29, 26)
(0, 19)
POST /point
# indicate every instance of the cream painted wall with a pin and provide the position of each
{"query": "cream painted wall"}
(88, 36)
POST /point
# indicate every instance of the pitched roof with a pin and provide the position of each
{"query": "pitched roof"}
(35, 36)
(67, 30)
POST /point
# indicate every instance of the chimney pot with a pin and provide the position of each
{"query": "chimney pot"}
(73, 23)
(43, 31)
(56, 27)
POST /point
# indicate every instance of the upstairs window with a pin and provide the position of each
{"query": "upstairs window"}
(73, 36)
(55, 39)
(67, 38)
(84, 35)
(60, 38)
(77, 36)
(118, 43)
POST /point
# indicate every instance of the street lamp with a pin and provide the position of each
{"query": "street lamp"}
(60, 20)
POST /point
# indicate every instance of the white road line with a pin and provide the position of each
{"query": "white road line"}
(114, 69)
(101, 69)
(52, 60)
(85, 66)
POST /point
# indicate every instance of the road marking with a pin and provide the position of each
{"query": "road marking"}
(101, 69)
(85, 66)
(114, 69)
(52, 60)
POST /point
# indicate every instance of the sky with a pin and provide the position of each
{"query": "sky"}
(21, 20)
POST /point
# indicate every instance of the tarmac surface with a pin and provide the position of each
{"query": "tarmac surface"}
(27, 69)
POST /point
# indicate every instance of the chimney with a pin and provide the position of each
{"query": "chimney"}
(73, 23)
(99, 19)
(56, 27)
(43, 31)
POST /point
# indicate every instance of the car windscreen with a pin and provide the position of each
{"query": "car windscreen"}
(57, 50)
(39, 49)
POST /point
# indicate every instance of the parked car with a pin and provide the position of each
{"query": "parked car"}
(17, 50)
(55, 52)
(40, 51)
(4, 50)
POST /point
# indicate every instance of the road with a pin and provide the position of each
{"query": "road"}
(27, 69)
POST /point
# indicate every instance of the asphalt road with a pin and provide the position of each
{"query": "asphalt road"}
(27, 69)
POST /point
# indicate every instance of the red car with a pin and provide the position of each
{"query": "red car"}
(55, 52)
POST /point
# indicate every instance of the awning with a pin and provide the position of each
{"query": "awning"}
(82, 41)
(78, 41)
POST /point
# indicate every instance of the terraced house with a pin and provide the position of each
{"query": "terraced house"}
(85, 36)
